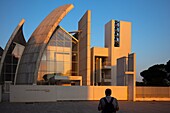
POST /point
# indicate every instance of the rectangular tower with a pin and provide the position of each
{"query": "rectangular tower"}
(118, 42)
(84, 26)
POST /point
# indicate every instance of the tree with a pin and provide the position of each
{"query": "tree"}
(167, 67)
(157, 75)
(139, 83)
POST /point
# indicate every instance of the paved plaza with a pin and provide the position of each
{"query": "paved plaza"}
(83, 107)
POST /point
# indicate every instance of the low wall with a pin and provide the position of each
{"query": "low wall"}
(153, 93)
(38, 93)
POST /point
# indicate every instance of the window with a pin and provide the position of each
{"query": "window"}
(117, 34)
(57, 57)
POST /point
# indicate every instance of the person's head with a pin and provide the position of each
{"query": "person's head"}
(108, 92)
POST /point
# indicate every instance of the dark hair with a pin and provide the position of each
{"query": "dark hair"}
(108, 92)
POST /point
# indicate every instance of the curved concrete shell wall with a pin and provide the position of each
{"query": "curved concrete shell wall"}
(8, 60)
(30, 61)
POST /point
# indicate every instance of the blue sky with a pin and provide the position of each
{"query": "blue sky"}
(150, 23)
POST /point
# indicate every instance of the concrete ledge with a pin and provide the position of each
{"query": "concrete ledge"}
(152, 99)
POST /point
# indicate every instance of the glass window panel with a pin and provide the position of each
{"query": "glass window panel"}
(50, 66)
(67, 49)
(67, 44)
(67, 58)
(60, 36)
(60, 67)
(59, 57)
(59, 49)
(68, 39)
(60, 31)
(53, 66)
(60, 43)
(50, 55)
(67, 68)
(51, 48)
(52, 43)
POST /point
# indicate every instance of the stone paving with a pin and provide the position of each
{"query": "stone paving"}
(83, 107)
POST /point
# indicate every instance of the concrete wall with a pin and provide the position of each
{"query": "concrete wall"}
(34, 93)
(117, 52)
(153, 93)
(109, 43)
(84, 47)
(131, 73)
(126, 74)
(121, 68)
(28, 93)
(125, 39)
(96, 51)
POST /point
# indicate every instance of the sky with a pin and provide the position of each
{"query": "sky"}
(150, 23)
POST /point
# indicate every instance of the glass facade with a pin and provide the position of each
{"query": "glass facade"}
(57, 57)
(74, 59)
(11, 61)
